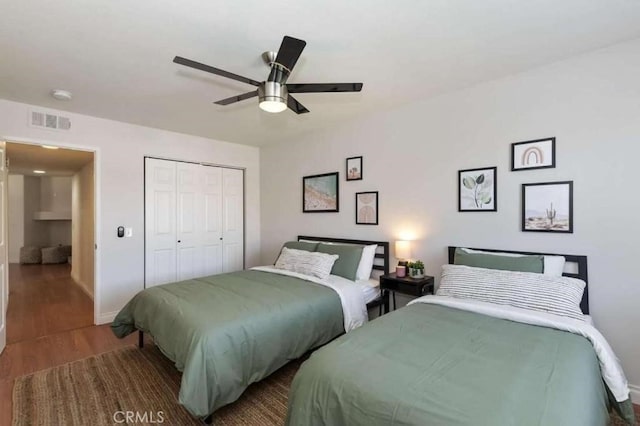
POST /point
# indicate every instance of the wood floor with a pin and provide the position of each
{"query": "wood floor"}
(49, 323)
(44, 300)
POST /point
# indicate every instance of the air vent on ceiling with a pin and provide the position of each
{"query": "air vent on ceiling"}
(49, 121)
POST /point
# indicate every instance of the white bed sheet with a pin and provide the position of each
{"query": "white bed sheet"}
(370, 289)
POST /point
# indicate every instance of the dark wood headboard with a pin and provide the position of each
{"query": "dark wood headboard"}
(581, 261)
(382, 252)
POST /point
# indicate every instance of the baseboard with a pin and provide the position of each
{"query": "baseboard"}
(634, 392)
(83, 287)
(106, 318)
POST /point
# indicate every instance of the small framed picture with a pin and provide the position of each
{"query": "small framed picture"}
(367, 208)
(320, 193)
(478, 190)
(547, 207)
(354, 168)
(537, 154)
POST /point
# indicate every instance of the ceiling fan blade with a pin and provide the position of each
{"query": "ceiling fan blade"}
(324, 87)
(296, 106)
(212, 70)
(289, 52)
(234, 99)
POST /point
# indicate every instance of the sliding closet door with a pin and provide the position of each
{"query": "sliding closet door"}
(160, 222)
(212, 226)
(189, 221)
(233, 220)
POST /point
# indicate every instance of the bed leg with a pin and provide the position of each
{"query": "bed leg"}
(208, 420)
(140, 339)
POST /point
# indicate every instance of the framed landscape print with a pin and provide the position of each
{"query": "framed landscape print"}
(547, 207)
(367, 208)
(320, 193)
(537, 154)
(354, 168)
(477, 190)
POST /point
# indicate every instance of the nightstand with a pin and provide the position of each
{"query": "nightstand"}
(410, 286)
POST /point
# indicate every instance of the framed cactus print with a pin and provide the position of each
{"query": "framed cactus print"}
(547, 207)
(478, 190)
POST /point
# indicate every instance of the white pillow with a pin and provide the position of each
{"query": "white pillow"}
(366, 262)
(305, 262)
(553, 265)
(528, 290)
(366, 259)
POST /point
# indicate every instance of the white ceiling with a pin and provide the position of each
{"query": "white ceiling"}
(24, 159)
(116, 55)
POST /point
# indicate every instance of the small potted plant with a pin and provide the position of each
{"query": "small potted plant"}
(416, 269)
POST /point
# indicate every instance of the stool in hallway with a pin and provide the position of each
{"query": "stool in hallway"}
(30, 255)
(54, 255)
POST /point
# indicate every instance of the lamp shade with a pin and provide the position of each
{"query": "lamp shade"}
(403, 249)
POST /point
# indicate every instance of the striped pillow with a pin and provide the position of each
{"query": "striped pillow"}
(304, 262)
(554, 295)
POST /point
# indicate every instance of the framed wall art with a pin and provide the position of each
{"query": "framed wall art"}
(354, 168)
(320, 193)
(536, 154)
(478, 190)
(547, 207)
(367, 208)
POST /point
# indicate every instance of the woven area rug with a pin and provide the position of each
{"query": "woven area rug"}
(93, 390)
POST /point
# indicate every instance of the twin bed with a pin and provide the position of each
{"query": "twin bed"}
(227, 331)
(442, 360)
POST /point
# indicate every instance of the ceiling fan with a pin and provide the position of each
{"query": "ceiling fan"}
(274, 93)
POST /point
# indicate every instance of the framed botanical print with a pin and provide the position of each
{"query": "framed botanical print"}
(477, 190)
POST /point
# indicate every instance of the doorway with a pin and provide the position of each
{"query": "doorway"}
(51, 240)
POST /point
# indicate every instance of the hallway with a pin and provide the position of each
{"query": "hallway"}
(43, 300)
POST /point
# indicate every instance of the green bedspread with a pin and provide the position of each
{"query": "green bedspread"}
(227, 331)
(434, 365)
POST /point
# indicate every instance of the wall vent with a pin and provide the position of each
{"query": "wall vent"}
(49, 121)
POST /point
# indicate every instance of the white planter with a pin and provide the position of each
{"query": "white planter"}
(416, 273)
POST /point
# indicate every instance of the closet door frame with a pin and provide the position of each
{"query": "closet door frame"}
(244, 202)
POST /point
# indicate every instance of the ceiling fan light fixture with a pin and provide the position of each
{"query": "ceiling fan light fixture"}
(272, 96)
(273, 106)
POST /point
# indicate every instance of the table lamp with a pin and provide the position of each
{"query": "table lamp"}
(403, 254)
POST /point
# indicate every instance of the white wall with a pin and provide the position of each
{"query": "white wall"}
(55, 193)
(412, 154)
(120, 178)
(16, 216)
(36, 232)
(55, 196)
(83, 228)
(30, 194)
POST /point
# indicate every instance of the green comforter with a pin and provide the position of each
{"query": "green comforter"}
(227, 331)
(434, 365)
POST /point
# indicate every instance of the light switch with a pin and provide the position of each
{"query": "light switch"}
(128, 232)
